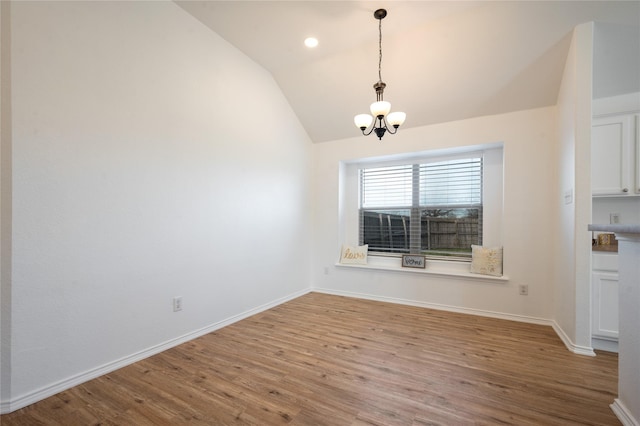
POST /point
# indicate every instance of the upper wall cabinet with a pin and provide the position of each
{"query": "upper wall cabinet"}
(615, 156)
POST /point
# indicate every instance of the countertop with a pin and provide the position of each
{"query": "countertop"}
(618, 228)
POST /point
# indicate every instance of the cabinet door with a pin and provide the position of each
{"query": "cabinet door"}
(611, 156)
(605, 305)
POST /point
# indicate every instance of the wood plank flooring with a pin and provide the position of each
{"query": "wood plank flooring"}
(330, 360)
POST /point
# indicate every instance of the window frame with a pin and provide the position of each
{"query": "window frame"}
(409, 175)
(493, 182)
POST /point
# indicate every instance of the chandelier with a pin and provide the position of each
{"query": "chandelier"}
(380, 120)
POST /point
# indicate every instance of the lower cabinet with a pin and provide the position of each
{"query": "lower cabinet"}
(604, 310)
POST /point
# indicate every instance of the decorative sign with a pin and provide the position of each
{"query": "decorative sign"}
(412, 261)
(354, 255)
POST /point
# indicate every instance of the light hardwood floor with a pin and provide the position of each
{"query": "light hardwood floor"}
(329, 360)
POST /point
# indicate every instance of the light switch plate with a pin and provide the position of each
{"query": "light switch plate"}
(568, 196)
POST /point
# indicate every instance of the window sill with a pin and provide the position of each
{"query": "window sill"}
(434, 267)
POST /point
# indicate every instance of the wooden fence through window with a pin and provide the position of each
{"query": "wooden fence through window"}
(390, 232)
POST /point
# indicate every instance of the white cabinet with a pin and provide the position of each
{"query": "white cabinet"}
(615, 156)
(605, 305)
(604, 285)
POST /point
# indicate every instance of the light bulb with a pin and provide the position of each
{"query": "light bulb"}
(396, 118)
(380, 108)
(363, 121)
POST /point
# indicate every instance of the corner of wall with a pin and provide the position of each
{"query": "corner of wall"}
(576, 349)
(572, 298)
(583, 198)
(5, 203)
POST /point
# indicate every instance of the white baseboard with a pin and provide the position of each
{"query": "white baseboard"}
(47, 391)
(623, 414)
(576, 349)
(440, 307)
(604, 344)
(580, 350)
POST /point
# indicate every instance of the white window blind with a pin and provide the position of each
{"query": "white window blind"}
(451, 183)
(432, 207)
(386, 187)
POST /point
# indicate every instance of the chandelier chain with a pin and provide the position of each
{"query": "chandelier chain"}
(379, 49)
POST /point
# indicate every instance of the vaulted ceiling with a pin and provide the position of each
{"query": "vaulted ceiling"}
(442, 60)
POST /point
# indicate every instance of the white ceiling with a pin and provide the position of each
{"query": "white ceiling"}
(442, 60)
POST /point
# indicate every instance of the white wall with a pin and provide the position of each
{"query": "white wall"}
(528, 229)
(628, 208)
(572, 248)
(5, 201)
(151, 159)
(616, 59)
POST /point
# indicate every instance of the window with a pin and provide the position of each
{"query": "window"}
(432, 207)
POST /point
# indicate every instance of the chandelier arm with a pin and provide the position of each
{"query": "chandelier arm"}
(379, 124)
(380, 127)
(391, 129)
(364, 132)
(373, 127)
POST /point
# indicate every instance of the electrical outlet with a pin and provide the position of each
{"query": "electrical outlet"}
(177, 303)
(614, 218)
(524, 290)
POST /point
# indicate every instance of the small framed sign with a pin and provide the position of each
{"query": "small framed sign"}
(412, 261)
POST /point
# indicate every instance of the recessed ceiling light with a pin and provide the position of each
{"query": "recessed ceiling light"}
(311, 42)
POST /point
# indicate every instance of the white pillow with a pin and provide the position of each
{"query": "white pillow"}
(354, 255)
(486, 261)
